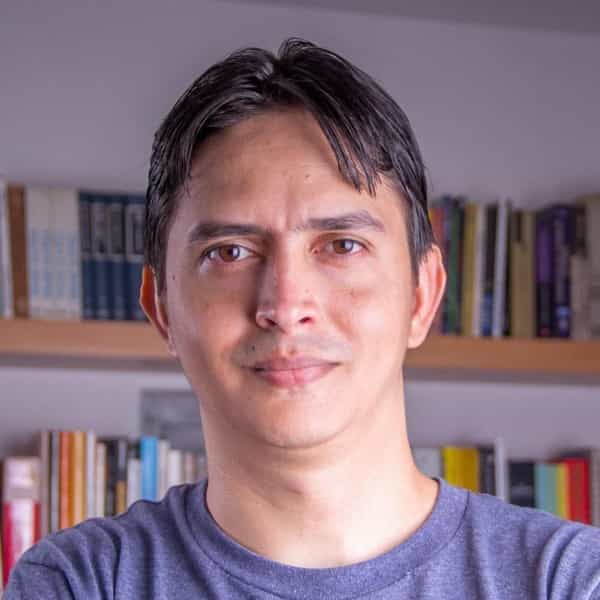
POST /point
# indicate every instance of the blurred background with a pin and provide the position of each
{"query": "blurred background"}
(504, 99)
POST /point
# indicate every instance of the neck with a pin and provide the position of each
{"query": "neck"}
(334, 507)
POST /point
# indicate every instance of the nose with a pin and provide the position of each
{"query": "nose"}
(286, 294)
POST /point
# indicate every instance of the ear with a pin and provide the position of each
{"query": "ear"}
(154, 306)
(428, 295)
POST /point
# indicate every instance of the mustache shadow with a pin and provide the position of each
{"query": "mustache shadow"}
(267, 347)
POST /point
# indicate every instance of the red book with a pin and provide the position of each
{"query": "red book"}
(578, 481)
(20, 509)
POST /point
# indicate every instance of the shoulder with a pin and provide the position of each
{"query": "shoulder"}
(563, 556)
(87, 557)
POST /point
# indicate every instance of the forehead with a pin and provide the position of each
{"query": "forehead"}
(277, 162)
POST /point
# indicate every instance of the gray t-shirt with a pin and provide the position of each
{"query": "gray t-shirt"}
(471, 546)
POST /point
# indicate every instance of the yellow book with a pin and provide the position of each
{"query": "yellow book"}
(562, 501)
(461, 467)
(468, 270)
(78, 468)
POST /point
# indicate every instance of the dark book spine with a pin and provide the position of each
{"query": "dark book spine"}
(455, 219)
(562, 229)
(544, 273)
(102, 282)
(487, 299)
(111, 477)
(116, 256)
(121, 476)
(487, 470)
(522, 483)
(134, 254)
(88, 277)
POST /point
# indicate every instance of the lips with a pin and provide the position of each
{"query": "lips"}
(292, 372)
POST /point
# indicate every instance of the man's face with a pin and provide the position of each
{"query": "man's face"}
(291, 329)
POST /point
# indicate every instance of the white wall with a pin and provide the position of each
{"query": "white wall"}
(497, 112)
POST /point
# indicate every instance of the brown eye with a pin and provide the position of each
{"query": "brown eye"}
(344, 246)
(228, 253)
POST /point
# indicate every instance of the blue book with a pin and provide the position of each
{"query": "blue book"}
(545, 487)
(563, 222)
(102, 282)
(135, 208)
(88, 277)
(116, 256)
(149, 462)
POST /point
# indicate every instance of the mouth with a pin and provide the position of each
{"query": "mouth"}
(293, 376)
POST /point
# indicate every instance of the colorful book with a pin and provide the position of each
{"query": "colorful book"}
(461, 467)
(578, 482)
(545, 481)
(90, 474)
(20, 509)
(78, 505)
(100, 492)
(65, 493)
(562, 491)
(479, 269)
(116, 475)
(149, 460)
(17, 222)
(562, 242)
(499, 325)
(487, 297)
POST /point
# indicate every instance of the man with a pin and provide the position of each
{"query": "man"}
(290, 264)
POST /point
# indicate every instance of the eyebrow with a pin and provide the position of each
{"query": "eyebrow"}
(208, 230)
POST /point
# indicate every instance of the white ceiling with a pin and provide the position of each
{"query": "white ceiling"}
(581, 16)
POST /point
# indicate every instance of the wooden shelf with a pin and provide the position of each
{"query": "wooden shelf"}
(138, 342)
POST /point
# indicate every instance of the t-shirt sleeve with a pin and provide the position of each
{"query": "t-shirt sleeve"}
(33, 581)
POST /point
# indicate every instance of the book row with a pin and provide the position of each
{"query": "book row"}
(79, 476)
(517, 272)
(69, 254)
(568, 487)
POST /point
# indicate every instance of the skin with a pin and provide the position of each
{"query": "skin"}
(319, 473)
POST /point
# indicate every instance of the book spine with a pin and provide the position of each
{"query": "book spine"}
(175, 468)
(595, 486)
(545, 487)
(437, 226)
(54, 481)
(90, 474)
(500, 271)
(149, 459)
(522, 484)
(593, 254)
(20, 509)
(562, 491)
(116, 255)
(111, 477)
(134, 473)
(454, 218)
(102, 280)
(122, 447)
(201, 466)
(163, 465)
(562, 238)
(578, 476)
(45, 468)
(189, 467)
(38, 250)
(78, 469)
(468, 269)
(18, 250)
(487, 472)
(6, 295)
(134, 254)
(487, 304)
(100, 479)
(88, 275)
(65, 480)
(544, 275)
(479, 267)
(580, 277)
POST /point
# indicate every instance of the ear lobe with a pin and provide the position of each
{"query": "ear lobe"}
(154, 307)
(428, 295)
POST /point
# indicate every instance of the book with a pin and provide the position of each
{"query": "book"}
(500, 270)
(592, 207)
(90, 474)
(100, 491)
(20, 509)
(149, 460)
(453, 217)
(562, 490)
(461, 466)
(17, 222)
(580, 277)
(134, 473)
(54, 482)
(65, 493)
(436, 217)
(134, 253)
(78, 504)
(116, 256)
(88, 276)
(578, 482)
(562, 242)
(522, 274)
(479, 268)
(544, 274)
(163, 465)
(99, 248)
(488, 280)
(487, 470)
(175, 469)
(522, 483)
(545, 482)
(595, 486)
(468, 269)
(6, 296)
(116, 475)
(45, 474)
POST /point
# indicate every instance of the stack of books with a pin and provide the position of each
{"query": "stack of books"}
(79, 476)
(520, 273)
(69, 254)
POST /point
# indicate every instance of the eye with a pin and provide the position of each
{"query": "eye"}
(344, 246)
(227, 253)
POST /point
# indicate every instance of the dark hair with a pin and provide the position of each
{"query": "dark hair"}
(367, 130)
